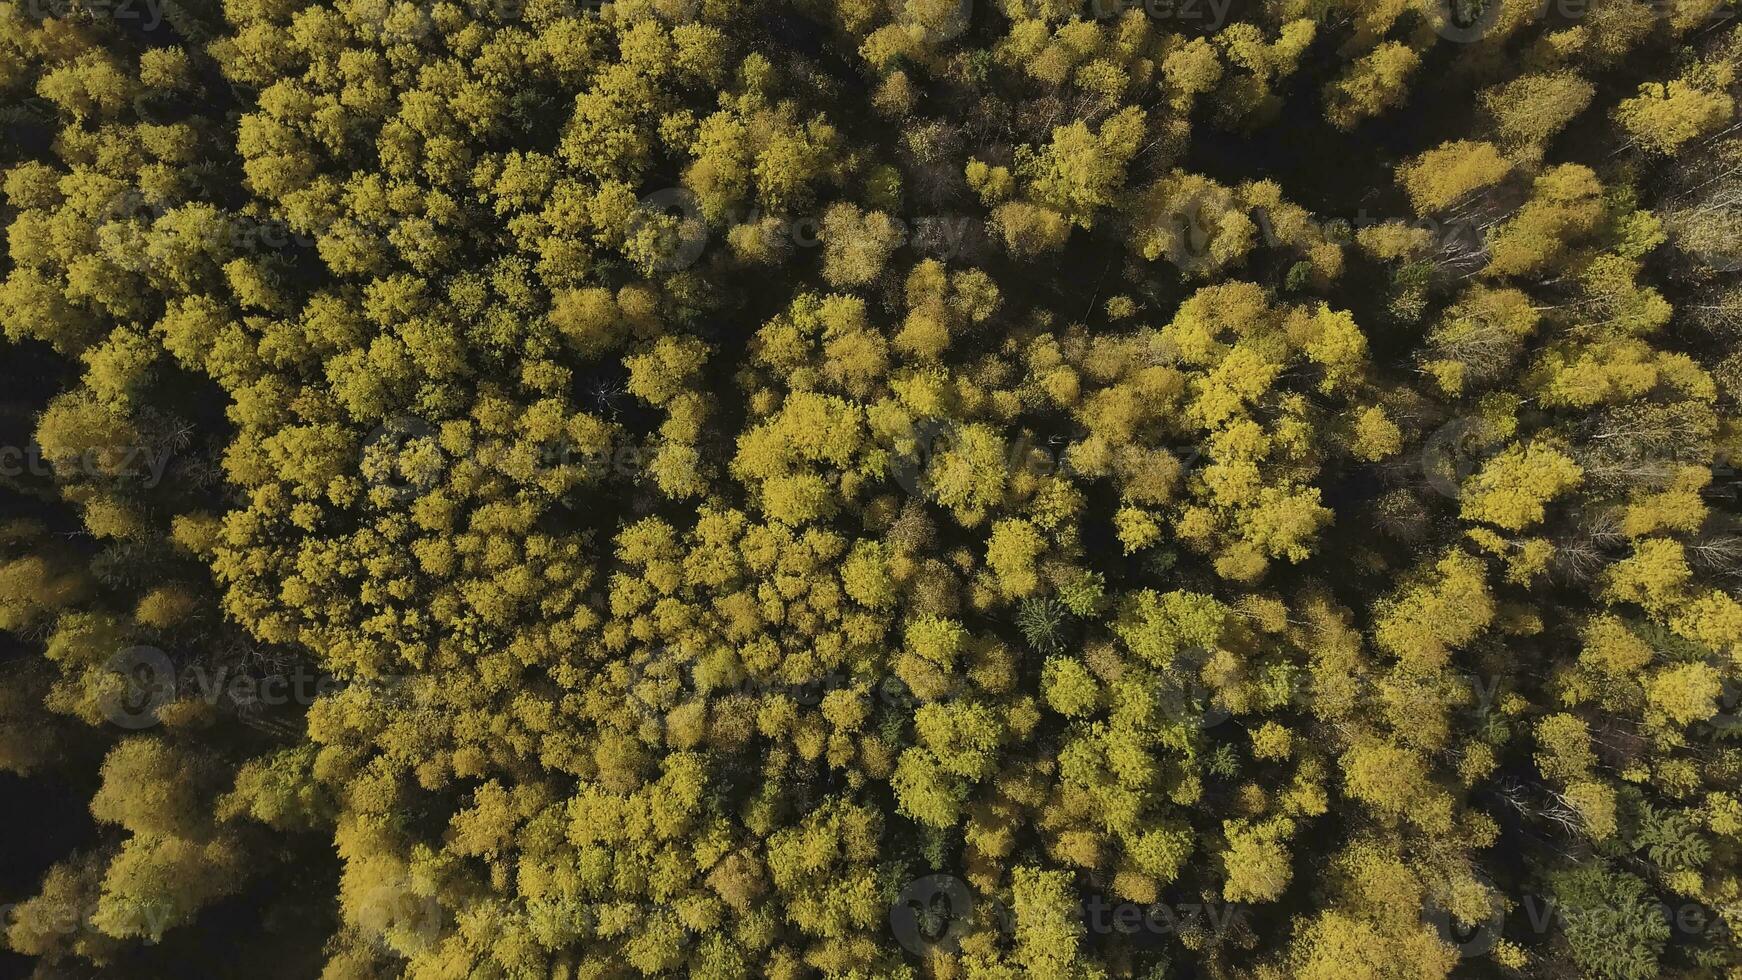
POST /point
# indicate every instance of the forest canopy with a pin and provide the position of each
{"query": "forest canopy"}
(1241, 489)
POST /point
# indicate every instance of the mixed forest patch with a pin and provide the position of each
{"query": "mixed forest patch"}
(966, 489)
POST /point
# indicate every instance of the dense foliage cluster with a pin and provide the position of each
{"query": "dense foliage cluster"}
(518, 489)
